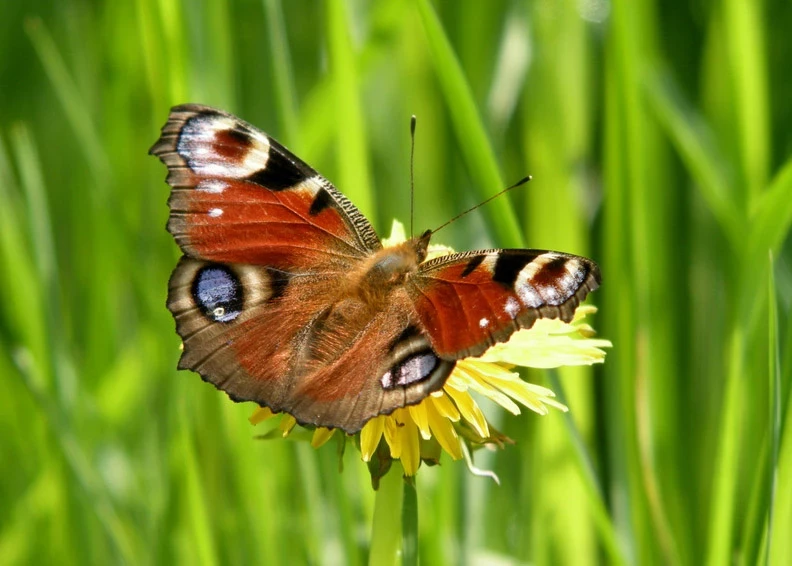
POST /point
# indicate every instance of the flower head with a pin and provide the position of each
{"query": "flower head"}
(450, 419)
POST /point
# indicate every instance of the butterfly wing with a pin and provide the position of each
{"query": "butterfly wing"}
(469, 301)
(293, 346)
(239, 196)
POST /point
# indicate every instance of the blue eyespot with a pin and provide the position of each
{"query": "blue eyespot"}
(412, 370)
(218, 293)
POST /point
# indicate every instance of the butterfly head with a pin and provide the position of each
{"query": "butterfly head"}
(421, 245)
(389, 267)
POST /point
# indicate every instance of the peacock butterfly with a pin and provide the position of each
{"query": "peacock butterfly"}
(285, 296)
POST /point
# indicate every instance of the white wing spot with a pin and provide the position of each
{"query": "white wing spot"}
(551, 295)
(512, 307)
(489, 262)
(529, 297)
(309, 186)
(566, 284)
(215, 186)
(484, 323)
(215, 212)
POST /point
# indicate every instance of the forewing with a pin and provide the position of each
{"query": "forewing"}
(469, 301)
(241, 197)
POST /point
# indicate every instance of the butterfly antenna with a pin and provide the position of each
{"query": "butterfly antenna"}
(412, 172)
(461, 214)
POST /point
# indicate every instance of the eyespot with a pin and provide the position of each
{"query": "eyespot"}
(217, 291)
(413, 369)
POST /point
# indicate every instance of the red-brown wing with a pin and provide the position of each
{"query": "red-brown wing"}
(289, 344)
(241, 197)
(469, 301)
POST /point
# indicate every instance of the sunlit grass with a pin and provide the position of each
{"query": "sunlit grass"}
(660, 158)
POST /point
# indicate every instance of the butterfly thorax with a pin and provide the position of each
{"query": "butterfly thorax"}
(387, 269)
(367, 293)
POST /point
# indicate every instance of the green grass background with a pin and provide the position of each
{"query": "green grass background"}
(659, 136)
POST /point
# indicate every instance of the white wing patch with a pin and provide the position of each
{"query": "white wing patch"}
(198, 145)
(512, 307)
(533, 292)
(215, 186)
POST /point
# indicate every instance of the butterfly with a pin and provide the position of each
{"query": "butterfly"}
(286, 297)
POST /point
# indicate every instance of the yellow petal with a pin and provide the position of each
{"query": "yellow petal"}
(321, 435)
(444, 406)
(469, 410)
(437, 250)
(287, 424)
(443, 431)
(370, 437)
(260, 415)
(392, 425)
(397, 235)
(410, 446)
(477, 383)
(421, 419)
(548, 344)
(583, 311)
(533, 396)
(456, 382)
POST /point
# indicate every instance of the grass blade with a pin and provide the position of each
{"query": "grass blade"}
(353, 161)
(697, 146)
(774, 409)
(469, 129)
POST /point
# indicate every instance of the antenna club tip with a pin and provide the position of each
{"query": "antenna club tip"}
(520, 182)
(413, 120)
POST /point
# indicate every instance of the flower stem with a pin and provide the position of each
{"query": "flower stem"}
(386, 527)
(410, 524)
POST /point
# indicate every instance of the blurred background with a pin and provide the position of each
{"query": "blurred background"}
(659, 137)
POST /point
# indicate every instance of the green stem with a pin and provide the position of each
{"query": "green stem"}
(410, 524)
(386, 527)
